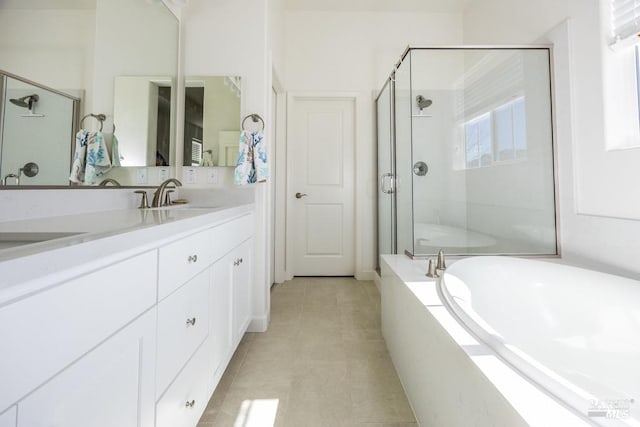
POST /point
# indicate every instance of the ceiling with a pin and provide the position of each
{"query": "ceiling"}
(429, 6)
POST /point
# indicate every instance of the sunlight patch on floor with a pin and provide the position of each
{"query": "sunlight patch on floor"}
(257, 413)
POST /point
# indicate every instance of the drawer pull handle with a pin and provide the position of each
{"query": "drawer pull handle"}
(190, 404)
(193, 258)
(191, 322)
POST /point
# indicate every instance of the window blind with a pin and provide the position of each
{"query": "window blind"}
(625, 19)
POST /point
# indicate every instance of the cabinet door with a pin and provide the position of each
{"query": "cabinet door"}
(241, 282)
(220, 302)
(8, 419)
(43, 334)
(113, 385)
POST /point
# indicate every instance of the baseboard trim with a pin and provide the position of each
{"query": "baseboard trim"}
(258, 324)
(365, 275)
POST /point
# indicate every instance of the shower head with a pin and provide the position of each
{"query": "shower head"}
(25, 101)
(423, 102)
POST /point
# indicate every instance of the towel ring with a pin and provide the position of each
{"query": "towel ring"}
(99, 117)
(254, 118)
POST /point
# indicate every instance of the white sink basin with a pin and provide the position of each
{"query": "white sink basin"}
(10, 239)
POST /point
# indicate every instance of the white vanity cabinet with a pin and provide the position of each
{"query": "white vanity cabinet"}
(191, 357)
(220, 301)
(241, 289)
(183, 324)
(139, 342)
(113, 385)
(8, 418)
(68, 347)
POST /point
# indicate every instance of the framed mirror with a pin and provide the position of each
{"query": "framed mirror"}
(212, 120)
(85, 49)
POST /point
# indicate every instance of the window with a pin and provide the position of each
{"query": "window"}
(478, 142)
(497, 136)
(625, 23)
(196, 152)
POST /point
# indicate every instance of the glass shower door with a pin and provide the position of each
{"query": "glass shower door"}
(386, 205)
(482, 152)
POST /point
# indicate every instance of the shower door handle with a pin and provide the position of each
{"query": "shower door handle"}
(386, 178)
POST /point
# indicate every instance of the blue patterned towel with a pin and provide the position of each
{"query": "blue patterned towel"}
(251, 166)
(91, 158)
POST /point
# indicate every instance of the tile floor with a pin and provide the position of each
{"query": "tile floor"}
(323, 361)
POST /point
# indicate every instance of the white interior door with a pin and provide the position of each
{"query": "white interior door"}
(321, 183)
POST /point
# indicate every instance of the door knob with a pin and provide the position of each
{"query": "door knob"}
(300, 195)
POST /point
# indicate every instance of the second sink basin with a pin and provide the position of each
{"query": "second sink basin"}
(9, 239)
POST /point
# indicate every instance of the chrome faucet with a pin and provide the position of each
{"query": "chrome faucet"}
(106, 181)
(158, 196)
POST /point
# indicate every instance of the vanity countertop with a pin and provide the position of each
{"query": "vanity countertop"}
(103, 238)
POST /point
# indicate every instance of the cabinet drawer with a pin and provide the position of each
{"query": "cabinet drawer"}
(184, 402)
(44, 333)
(228, 236)
(8, 419)
(181, 260)
(183, 324)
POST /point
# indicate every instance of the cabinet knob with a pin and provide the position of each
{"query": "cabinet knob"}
(190, 404)
(192, 258)
(241, 260)
(191, 322)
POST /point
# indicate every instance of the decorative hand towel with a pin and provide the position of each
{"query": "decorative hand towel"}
(91, 158)
(252, 164)
(115, 151)
(77, 167)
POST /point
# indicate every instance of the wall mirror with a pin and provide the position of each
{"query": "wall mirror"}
(212, 120)
(86, 49)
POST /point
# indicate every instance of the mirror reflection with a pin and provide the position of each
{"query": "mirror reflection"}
(212, 120)
(89, 47)
(143, 115)
(36, 128)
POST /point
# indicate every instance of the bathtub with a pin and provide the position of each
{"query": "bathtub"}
(445, 236)
(513, 342)
(574, 332)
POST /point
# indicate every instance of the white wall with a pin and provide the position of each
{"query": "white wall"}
(597, 186)
(355, 52)
(225, 37)
(51, 47)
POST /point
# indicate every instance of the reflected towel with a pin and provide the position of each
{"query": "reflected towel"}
(251, 166)
(91, 158)
(115, 151)
(207, 158)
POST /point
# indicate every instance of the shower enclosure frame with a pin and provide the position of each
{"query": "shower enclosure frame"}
(553, 128)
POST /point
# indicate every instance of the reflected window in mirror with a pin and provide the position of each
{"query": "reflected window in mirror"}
(212, 120)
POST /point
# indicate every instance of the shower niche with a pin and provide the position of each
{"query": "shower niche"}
(465, 153)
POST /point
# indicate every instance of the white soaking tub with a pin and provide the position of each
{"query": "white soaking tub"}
(573, 333)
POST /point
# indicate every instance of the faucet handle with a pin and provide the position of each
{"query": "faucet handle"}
(167, 197)
(144, 203)
(441, 263)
